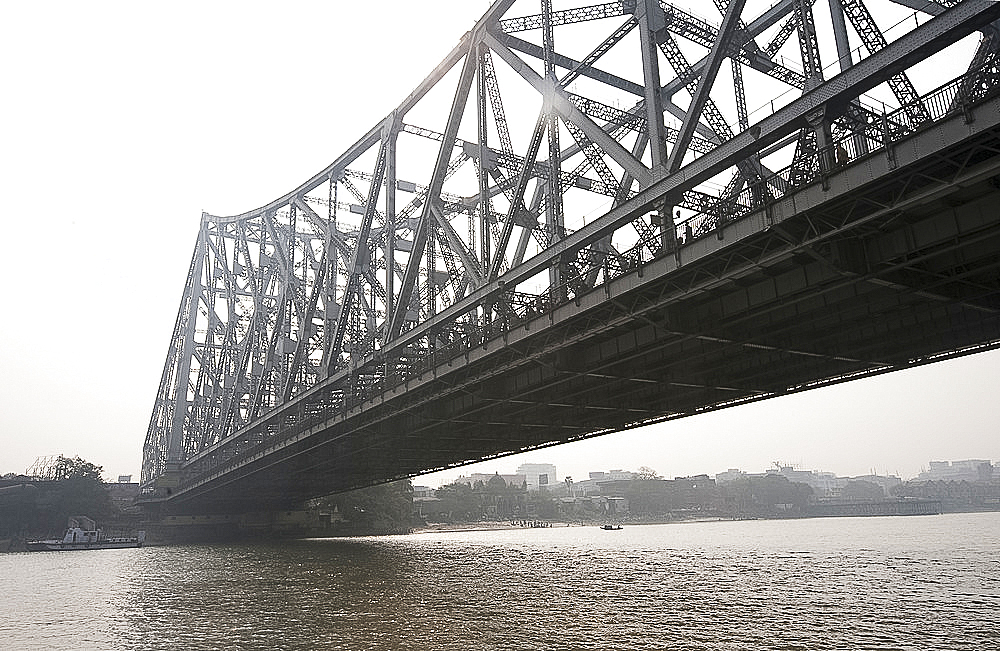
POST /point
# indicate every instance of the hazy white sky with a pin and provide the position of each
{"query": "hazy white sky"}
(122, 121)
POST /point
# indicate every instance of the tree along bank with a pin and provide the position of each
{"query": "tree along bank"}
(32, 509)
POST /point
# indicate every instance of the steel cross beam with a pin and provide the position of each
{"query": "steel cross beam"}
(361, 256)
(692, 28)
(840, 34)
(650, 22)
(757, 60)
(568, 16)
(568, 111)
(588, 62)
(434, 191)
(873, 39)
(729, 24)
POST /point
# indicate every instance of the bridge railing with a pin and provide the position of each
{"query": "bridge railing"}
(949, 99)
(591, 268)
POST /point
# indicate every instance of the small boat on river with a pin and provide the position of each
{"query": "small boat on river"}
(82, 534)
(611, 527)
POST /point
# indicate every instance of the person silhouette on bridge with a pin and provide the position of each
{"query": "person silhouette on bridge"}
(842, 155)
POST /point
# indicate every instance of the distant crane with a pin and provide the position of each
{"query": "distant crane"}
(43, 468)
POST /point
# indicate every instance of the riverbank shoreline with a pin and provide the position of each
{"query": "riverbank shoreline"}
(506, 526)
(459, 527)
(454, 527)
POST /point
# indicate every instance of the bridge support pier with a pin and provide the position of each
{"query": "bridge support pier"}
(165, 528)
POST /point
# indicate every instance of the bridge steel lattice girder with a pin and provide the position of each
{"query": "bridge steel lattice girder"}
(766, 356)
(540, 354)
(929, 37)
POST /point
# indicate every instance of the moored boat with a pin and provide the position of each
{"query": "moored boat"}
(85, 537)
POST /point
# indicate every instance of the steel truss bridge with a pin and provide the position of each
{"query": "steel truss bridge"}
(575, 226)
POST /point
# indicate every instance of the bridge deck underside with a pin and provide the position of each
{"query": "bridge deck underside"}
(879, 268)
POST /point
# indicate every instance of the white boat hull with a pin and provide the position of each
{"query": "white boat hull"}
(77, 538)
(60, 546)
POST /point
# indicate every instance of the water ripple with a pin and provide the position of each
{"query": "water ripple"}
(878, 583)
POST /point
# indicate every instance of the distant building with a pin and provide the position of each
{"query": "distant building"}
(733, 474)
(511, 480)
(123, 494)
(538, 475)
(425, 505)
(661, 497)
(887, 482)
(422, 491)
(966, 470)
(824, 484)
(591, 485)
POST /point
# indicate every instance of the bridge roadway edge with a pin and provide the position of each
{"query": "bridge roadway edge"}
(324, 449)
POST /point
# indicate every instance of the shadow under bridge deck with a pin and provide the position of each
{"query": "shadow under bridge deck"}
(888, 262)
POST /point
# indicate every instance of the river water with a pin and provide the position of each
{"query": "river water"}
(922, 582)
